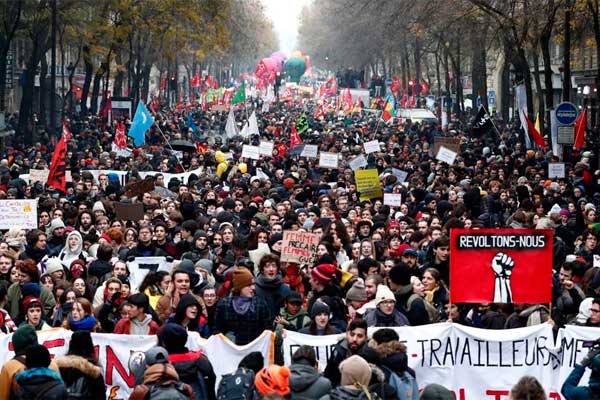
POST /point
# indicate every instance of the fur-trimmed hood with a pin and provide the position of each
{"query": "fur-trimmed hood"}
(80, 364)
(388, 348)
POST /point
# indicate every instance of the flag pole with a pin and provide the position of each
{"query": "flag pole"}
(169, 144)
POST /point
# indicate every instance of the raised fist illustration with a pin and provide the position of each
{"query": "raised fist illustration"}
(502, 265)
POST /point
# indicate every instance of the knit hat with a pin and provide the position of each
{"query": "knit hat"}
(357, 292)
(433, 391)
(24, 337)
(53, 264)
(384, 293)
(173, 337)
(323, 273)
(319, 308)
(242, 277)
(78, 268)
(37, 356)
(31, 301)
(56, 223)
(273, 379)
(98, 206)
(355, 370)
(274, 239)
(205, 264)
(31, 289)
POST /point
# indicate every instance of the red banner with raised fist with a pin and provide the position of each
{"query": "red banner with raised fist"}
(501, 265)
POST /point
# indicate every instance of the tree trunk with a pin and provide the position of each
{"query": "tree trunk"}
(146, 82)
(96, 90)
(594, 7)
(478, 68)
(538, 85)
(549, 92)
(407, 63)
(3, 55)
(417, 55)
(437, 73)
(120, 75)
(89, 71)
(43, 114)
(25, 111)
(403, 72)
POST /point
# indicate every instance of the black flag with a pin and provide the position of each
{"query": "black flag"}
(482, 124)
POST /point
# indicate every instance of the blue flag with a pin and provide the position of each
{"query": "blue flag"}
(142, 121)
(191, 124)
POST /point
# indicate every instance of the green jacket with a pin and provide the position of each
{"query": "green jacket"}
(14, 300)
(298, 321)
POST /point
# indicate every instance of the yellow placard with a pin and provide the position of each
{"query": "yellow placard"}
(367, 184)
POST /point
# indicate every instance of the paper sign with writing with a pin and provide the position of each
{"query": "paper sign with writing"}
(310, 151)
(367, 184)
(266, 149)
(446, 155)
(38, 175)
(372, 146)
(358, 162)
(18, 214)
(556, 170)
(328, 160)
(252, 152)
(401, 175)
(392, 199)
(299, 247)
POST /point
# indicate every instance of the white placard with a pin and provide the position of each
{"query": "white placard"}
(392, 199)
(328, 160)
(252, 152)
(556, 170)
(372, 146)
(446, 155)
(401, 175)
(266, 149)
(38, 175)
(310, 151)
(596, 261)
(358, 162)
(18, 214)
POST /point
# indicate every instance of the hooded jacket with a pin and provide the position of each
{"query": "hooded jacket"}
(192, 365)
(158, 373)
(31, 381)
(127, 326)
(74, 367)
(306, 383)
(67, 256)
(199, 325)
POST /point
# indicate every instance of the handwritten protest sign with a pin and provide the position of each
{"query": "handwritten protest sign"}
(310, 151)
(266, 149)
(38, 175)
(252, 152)
(328, 160)
(139, 187)
(392, 199)
(299, 247)
(18, 214)
(358, 162)
(372, 146)
(556, 170)
(446, 155)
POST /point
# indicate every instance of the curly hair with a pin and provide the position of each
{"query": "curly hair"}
(528, 388)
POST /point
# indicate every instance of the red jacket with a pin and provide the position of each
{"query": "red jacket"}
(124, 327)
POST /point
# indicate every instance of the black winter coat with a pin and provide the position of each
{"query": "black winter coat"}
(74, 367)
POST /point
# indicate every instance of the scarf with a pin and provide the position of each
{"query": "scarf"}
(430, 293)
(241, 305)
(384, 319)
(269, 283)
(86, 324)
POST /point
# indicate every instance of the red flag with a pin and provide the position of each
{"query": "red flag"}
(103, 113)
(396, 85)
(208, 81)
(215, 84)
(67, 132)
(294, 138)
(195, 81)
(319, 112)
(322, 90)
(204, 107)
(120, 140)
(332, 86)
(580, 125)
(57, 177)
(411, 102)
(535, 135)
(163, 83)
(403, 100)
(424, 88)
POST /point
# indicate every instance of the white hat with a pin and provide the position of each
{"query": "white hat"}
(384, 293)
(98, 206)
(53, 264)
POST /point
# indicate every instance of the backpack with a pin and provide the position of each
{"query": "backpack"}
(237, 386)
(166, 391)
(434, 316)
(405, 384)
(78, 390)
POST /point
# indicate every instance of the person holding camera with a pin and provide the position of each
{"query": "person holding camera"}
(571, 391)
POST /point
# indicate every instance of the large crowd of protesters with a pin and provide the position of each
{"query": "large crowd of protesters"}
(222, 230)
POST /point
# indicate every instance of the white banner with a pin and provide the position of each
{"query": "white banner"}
(116, 351)
(473, 363)
(18, 214)
(310, 151)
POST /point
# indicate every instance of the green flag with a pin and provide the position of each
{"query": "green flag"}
(301, 124)
(240, 95)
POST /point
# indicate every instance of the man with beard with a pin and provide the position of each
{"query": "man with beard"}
(352, 344)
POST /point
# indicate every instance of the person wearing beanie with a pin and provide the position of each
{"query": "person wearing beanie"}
(242, 317)
(385, 313)
(434, 391)
(273, 379)
(320, 325)
(200, 249)
(22, 339)
(54, 268)
(355, 377)
(138, 321)
(407, 302)
(189, 364)
(33, 313)
(38, 381)
(28, 285)
(80, 369)
(56, 236)
(275, 242)
(356, 297)
(36, 248)
(324, 283)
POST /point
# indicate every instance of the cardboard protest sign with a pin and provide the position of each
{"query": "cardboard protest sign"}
(448, 142)
(392, 199)
(556, 170)
(299, 247)
(266, 149)
(367, 184)
(328, 160)
(129, 211)
(136, 188)
(38, 175)
(504, 262)
(252, 152)
(18, 214)
(372, 146)
(446, 155)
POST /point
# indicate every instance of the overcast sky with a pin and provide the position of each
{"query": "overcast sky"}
(285, 15)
